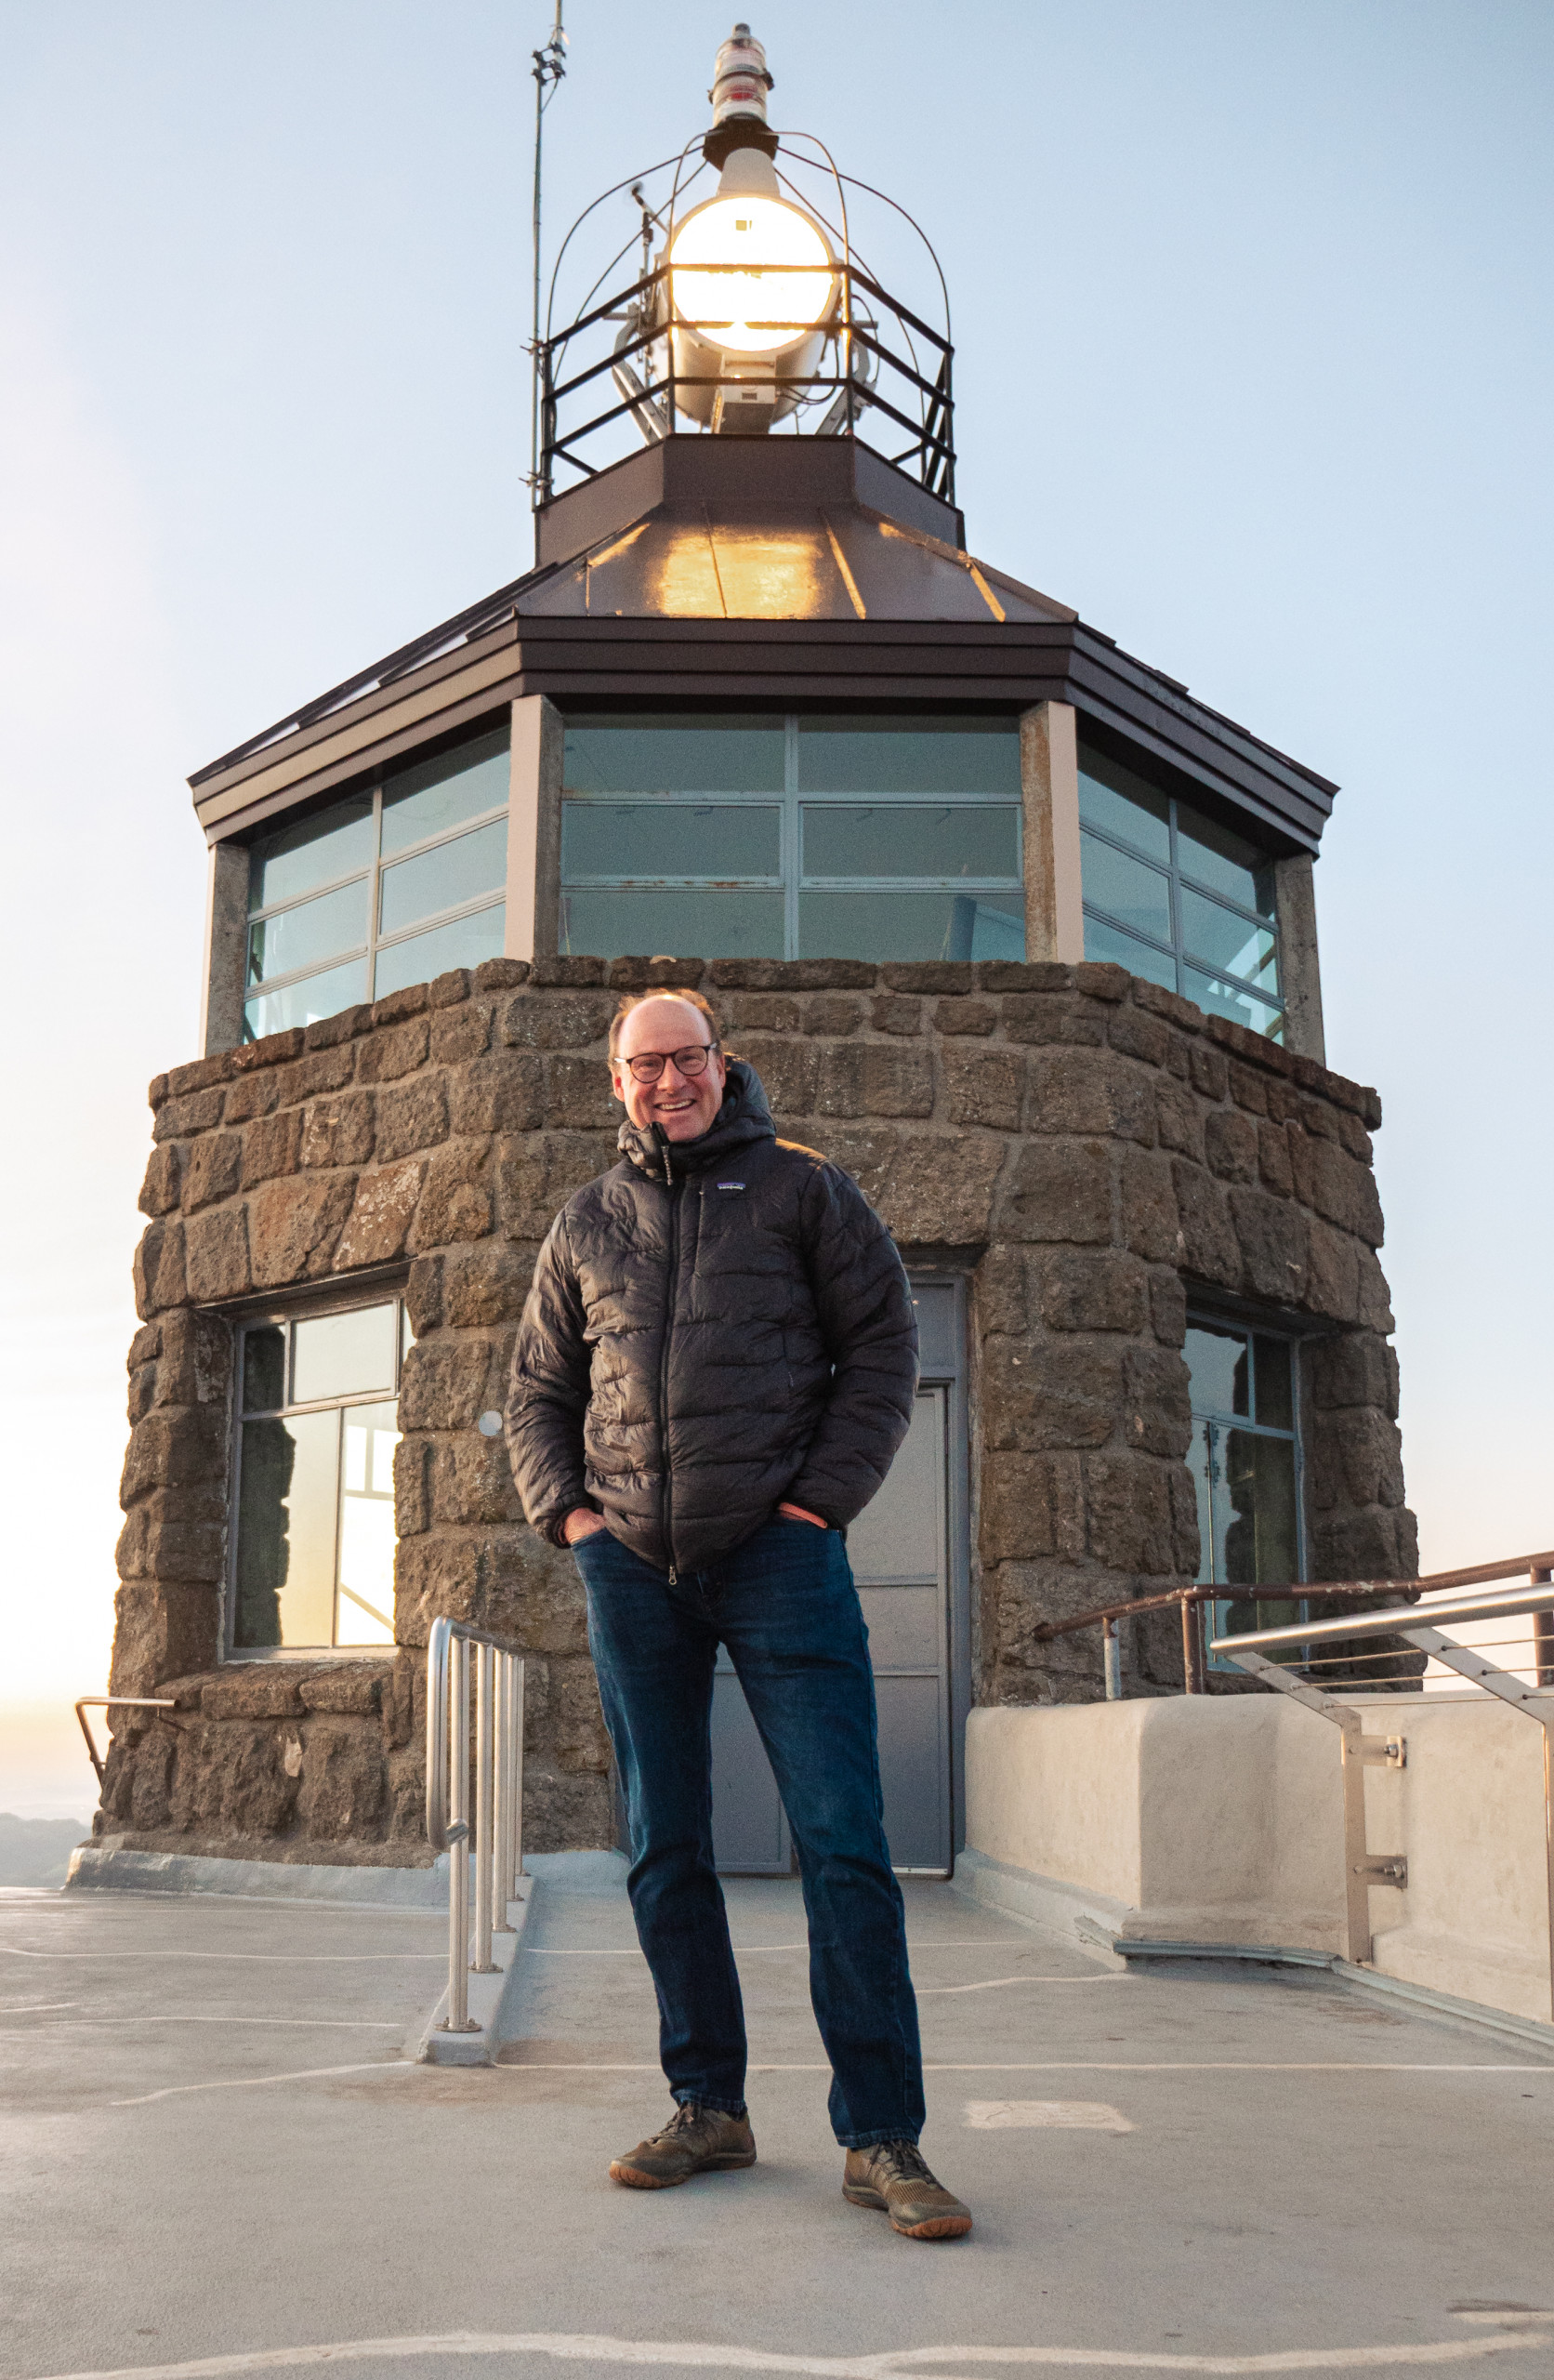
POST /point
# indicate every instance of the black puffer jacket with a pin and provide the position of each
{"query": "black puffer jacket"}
(713, 1328)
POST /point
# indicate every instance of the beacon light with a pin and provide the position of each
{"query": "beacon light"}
(773, 280)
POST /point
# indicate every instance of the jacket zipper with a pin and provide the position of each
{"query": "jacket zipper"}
(663, 1362)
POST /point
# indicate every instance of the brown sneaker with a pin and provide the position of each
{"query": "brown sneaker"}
(893, 2178)
(695, 2140)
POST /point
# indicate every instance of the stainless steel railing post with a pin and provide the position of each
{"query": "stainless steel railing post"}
(485, 1783)
(504, 1835)
(518, 1685)
(456, 1752)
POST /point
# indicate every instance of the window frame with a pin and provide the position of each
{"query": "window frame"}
(790, 803)
(1178, 879)
(372, 874)
(1207, 1318)
(281, 1313)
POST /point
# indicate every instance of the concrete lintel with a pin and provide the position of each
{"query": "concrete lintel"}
(1049, 790)
(226, 949)
(1294, 904)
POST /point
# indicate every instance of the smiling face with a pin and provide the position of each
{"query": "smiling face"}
(683, 1106)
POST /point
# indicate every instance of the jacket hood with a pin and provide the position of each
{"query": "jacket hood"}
(742, 1119)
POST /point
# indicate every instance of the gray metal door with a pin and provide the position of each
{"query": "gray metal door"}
(902, 1550)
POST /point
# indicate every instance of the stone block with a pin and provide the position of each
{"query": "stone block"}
(269, 1147)
(169, 1447)
(500, 975)
(199, 1074)
(1353, 1137)
(196, 1360)
(1136, 1033)
(957, 1016)
(1209, 1243)
(869, 1156)
(143, 1391)
(411, 1116)
(984, 1086)
(434, 1575)
(171, 1552)
(1101, 981)
(1368, 1545)
(1249, 1090)
(1052, 1017)
(1273, 1160)
(1155, 1389)
(955, 976)
(355, 1692)
(833, 1016)
(938, 1189)
(160, 1630)
(1356, 1460)
(635, 973)
(1351, 1369)
(1273, 1237)
(160, 1247)
(1167, 1307)
(536, 1176)
(1186, 1542)
(893, 1012)
(485, 1286)
(1374, 1300)
(294, 1225)
(396, 1006)
(343, 1791)
(1081, 1290)
(459, 1033)
(471, 1482)
(1179, 1120)
(536, 1594)
(578, 1733)
(442, 1386)
(384, 1201)
(1000, 1293)
(1332, 1274)
(269, 1049)
(253, 1691)
(448, 990)
(162, 1187)
(389, 1055)
(1042, 1394)
(1230, 1145)
(839, 1086)
(213, 1171)
(1210, 1075)
(1184, 1015)
(317, 1071)
(1025, 975)
(331, 1032)
(789, 1071)
(456, 1200)
(1031, 1506)
(254, 1094)
(1060, 1190)
(413, 1484)
(145, 1347)
(1072, 1091)
(337, 1131)
(763, 1013)
(567, 974)
(1127, 1502)
(1147, 1203)
(216, 1255)
(578, 1097)
(576, 1022)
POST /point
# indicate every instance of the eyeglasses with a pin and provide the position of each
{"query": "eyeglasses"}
(691, 1061)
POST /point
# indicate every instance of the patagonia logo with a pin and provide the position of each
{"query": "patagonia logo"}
(731, 1185)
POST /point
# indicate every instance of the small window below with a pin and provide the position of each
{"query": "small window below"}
(385, 888)
(314, 1535)
(1245, 1464)
(1175, 897)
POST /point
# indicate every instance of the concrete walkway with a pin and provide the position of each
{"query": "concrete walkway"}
(214, 2146)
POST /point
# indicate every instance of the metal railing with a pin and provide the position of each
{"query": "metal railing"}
(1190, 1601)
(497, 1834)
(114, 1702)
(1526, 1684)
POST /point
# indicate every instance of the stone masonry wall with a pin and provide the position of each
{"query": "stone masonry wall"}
(1087, 1147)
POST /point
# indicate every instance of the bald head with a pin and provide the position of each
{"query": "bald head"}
(681, 1105)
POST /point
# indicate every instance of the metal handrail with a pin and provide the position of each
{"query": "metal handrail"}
(115, 1702)
(1362, 1868)
(498, 1829)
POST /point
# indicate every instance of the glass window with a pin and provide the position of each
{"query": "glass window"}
(1174, 896)
(931, 868)
(1245, 1464)
(313, 940)
(313, 1562)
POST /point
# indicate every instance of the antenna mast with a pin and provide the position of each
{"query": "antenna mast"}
(550, 66)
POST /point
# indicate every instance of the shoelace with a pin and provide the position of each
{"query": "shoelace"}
(904, 2162)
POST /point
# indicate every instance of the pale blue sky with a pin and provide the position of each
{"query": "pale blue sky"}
(1252, 315)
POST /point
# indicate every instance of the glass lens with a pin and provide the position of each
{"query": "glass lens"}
(1259, 1535)
(911, 925)
(670, 839)
(837, 754)
(1219, 999)
(848, 839)
(365, 1611)
(305, 936)
(285, 1532)
(751, 312)
(619, 752)
(1218, 1368)
(337, 1355)
(708, 925)
(650, 1065)
(1274, 1359)
(335, 843)
(1139, 897)
(1223, 861)
(1112, 798)
(436, 795)
(442, 878)
(464, 942)
(301, 1003)
(1103, 940)
(1219, 939)
(264, 1367)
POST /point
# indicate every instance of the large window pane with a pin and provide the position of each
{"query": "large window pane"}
(922, 839)
(438, 794)
(1217, 998)
(1221, 939)
(618, 752)
(364, 1612)
(287, 1518)
(300, 1003)
(334, 843)
(1223, 861)
(1119, 949)
(304, 936)
(1218, 1369)
(462, 942)
(443, 876)
(708, 925)
(339, 1354)
(1139, 897)
(911, 925)
(670, 839)
(1259, 1534)
(1114, 798)
(838, 754)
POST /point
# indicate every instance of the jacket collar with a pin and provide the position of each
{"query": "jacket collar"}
(744, 1119)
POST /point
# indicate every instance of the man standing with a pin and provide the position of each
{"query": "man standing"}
(715, 1369)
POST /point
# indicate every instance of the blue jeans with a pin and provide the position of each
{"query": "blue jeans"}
(785, 1605)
